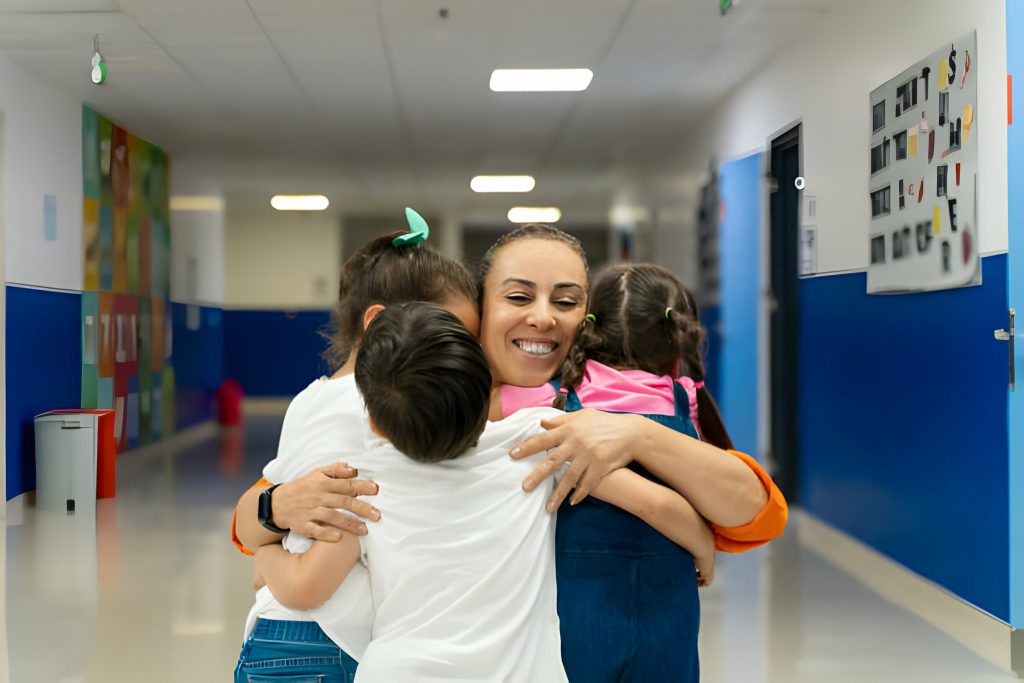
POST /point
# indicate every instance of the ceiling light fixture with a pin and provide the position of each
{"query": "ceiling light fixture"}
(184, 202)
(540, 80)
(534, 214)
(502, 183)
(99, 65)
(299, 202)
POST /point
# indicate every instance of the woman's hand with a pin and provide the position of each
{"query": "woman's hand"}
(309, 505)
(593, 442)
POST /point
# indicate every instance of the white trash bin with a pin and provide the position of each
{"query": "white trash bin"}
(66, 462)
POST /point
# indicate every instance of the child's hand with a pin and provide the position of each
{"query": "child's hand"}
(705, 569)
(258, 581)
(705, 557)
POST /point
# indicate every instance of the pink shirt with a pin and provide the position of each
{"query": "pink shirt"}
(605, 388)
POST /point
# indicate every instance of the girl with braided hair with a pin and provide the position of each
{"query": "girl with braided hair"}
(637, 351)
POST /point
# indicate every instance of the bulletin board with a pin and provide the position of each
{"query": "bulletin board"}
(923, 175)
(126, 318)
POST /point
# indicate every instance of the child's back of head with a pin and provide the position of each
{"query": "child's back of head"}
(380, 272)
(642, 317)
(425, 381)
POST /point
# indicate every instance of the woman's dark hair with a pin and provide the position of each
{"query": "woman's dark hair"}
(381, 273)
(538, 231)
(425, 381)
(644, 318)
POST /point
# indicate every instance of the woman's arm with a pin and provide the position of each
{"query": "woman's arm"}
(308, 505)
(721, 487)
(666, 511)
(305, 580)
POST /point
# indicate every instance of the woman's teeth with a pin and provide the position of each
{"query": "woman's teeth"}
(536, 348)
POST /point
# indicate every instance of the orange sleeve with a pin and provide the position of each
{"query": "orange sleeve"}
(767, 524)
(262, 483)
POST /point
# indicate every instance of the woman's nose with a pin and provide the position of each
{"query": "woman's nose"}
(540, 317)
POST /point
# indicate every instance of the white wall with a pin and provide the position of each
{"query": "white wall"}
(197, 239)
(824, 81)
(43, 157)
(281, 259)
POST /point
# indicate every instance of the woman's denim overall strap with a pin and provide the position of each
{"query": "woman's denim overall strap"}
(627, 596)
(292, 651)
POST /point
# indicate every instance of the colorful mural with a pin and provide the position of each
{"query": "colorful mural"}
(126, 325)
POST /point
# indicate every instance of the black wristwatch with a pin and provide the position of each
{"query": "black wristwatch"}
(265, 512)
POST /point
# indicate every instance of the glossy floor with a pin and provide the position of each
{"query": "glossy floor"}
(153, 591)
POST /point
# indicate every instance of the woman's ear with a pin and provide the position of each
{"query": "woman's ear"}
(371, 313)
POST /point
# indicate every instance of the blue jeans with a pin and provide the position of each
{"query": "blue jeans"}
(292, 652)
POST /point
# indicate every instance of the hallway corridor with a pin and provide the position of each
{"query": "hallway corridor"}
(158, 594)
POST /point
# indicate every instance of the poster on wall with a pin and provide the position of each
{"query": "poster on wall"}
(126, 325)
(923, 176)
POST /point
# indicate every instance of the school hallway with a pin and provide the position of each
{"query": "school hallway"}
(836, 183)
(159, 594)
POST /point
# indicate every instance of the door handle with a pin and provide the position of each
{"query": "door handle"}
(1003, 335)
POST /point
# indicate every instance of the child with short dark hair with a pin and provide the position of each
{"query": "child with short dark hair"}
(324, 424)
(431, 404)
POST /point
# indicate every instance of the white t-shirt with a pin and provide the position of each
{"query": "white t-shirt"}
(462, 564)
(325, 423)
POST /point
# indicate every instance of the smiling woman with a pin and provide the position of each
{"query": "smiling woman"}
(530, 322)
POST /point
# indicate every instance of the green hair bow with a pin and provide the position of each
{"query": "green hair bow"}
(418, 230)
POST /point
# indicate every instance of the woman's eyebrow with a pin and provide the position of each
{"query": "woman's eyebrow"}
(520, 281)
(563, 285)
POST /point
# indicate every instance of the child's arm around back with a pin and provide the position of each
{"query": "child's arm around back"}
(666, 511)
(305, 580)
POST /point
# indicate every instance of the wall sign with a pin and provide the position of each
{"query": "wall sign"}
(923, 174)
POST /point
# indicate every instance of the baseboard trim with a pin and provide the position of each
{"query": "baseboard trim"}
(982, 633)
(15, 508)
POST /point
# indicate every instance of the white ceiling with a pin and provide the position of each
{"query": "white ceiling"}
(383, 103)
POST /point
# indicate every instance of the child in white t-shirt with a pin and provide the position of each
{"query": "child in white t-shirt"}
(324, 424)
(461, 564)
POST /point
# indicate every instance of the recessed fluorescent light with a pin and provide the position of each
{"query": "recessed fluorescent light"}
(534, 214)
(540, 80)
(299, 202)
(502, 183)
(625, 215)
(197, 203)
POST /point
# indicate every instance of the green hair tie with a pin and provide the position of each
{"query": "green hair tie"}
(418, 230)
(591, 317)
(667, 312)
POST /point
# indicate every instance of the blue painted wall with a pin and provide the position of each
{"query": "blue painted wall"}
(274, 353)
(711, 319)
(198, 364)
(902, 426)
(1015, 277)
(44, 370)
(740, 271)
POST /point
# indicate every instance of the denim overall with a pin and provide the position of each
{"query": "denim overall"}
(292, 651)
(627, 596)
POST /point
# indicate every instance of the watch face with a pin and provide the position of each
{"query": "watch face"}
(264, 513)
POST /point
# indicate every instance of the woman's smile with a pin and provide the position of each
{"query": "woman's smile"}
(536, 347)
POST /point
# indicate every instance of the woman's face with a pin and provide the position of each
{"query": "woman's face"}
(534, 300)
